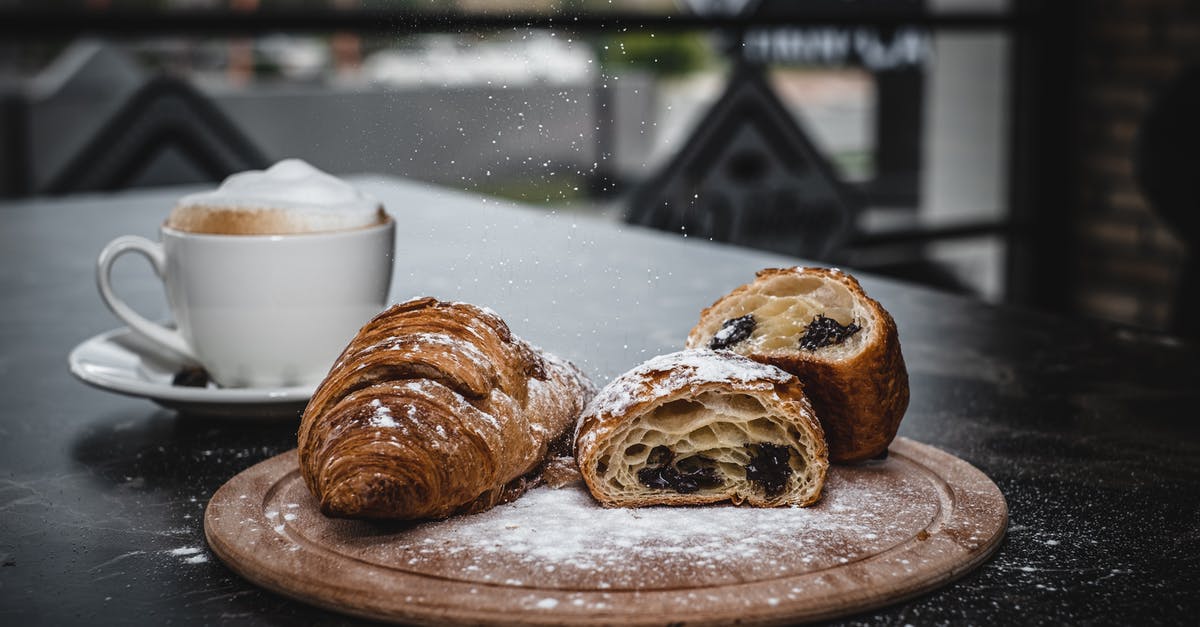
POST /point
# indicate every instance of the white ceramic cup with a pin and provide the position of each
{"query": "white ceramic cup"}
(260, 310)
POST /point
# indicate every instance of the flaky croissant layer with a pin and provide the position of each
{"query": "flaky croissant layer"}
(434, 409)
(820, 325)
(702, 426)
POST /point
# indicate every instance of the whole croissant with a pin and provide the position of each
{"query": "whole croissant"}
(434, 409)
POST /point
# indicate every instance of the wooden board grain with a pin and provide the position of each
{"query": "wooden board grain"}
(882, 532)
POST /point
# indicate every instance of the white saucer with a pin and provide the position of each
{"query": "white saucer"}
(120, 361)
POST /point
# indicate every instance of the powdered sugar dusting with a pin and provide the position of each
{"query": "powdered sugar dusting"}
(566, 366)
(185, 550)
(381, 415)
(449, 344)
(405, 417)
(563, 539)
(723, 334)
(686, 368)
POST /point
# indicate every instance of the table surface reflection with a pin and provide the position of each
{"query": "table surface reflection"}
(1088, 429)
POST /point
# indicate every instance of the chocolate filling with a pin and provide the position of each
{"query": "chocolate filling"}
(822, 332)
(665, 475)
(732, 331)
(768, 467)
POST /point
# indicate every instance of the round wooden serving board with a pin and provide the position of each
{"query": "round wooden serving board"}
(882, 532)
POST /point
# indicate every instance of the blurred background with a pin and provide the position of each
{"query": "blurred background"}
(1033, 153)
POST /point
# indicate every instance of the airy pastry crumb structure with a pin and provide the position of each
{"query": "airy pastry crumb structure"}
(819, 325)
(702, 427)
(782, 309)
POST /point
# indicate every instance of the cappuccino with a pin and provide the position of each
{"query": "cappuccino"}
(267, 276)
(291, 197)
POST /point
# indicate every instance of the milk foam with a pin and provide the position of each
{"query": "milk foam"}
(289, 197)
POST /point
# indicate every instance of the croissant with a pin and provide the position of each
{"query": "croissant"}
(434, 409)
(819, 325)
(702, 426)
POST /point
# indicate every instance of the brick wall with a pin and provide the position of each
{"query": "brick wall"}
(1128, 260)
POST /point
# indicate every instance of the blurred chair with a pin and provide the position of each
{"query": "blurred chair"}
(14, 164)
(1167, 169)
(750, 175)
(166, 115)
(94, 120)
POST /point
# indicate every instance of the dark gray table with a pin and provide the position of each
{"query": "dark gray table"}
(1089, 430)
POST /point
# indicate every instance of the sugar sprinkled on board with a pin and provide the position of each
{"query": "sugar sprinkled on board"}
(563, 538)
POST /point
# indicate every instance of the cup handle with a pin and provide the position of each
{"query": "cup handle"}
(155, 333)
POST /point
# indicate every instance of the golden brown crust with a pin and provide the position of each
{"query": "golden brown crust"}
(434, 409)
(691, 376)
(860, 397)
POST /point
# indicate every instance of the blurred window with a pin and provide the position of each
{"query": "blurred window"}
(575, 104)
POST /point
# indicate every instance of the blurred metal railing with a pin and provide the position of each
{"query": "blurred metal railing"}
(1041, 144)
(33, 23)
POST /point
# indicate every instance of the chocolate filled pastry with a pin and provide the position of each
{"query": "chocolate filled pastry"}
(819, 325)
(435, 409)
(702, 426)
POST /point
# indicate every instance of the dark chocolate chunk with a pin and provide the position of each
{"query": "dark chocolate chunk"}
(191, 377)
(671, 478)
(732, 331)
(664, 475)
(657, 477)
(824, 331)
(768, 467)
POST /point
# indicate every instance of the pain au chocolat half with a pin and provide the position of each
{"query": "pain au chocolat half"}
(435, 409)
(819, 325)
(701, 426)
